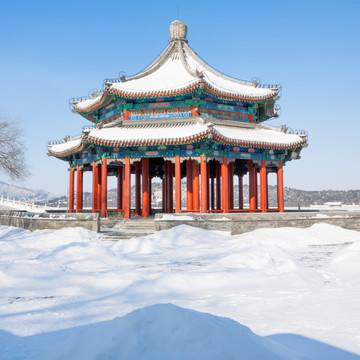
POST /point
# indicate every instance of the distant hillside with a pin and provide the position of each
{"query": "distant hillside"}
(306, 198)
(293, 197)
(21, 193)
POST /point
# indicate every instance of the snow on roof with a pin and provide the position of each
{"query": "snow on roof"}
(127, 135)
(258, 135)
(84, 104)
(177, 133)
(64, 147)
(172, 75)
(223, 82)
(181, 133)
(176, 70)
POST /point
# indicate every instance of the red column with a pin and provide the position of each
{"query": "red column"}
(145, 187)
(94, 186)
(189, 185)
(170, 187)
(126, 115)
(256, 188)
(71, 190)
(212, 193)
(267, 191)
(225, 185)
(163, 194)
(208, 185)
(99, 167)
(104, 188)
(196, 182)
(177, 185)
(167, 208)
(166, 187)
(218, 186)
(280, 187)
(204, 184)
(252, 198)
(150, 192)
(263, 187)
(127, 189)
(241, 192)
(231, 186)
(194, 111)
(79, 188)
(120, 188)
(137, 189)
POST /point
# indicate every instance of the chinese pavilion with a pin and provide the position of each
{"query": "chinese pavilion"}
(178, 119)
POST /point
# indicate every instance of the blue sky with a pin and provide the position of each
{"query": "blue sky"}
(55, 50)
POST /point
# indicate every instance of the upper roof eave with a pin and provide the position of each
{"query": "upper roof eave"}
(91, 104)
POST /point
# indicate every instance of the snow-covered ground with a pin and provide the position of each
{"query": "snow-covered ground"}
(66, 294)
(341, 207)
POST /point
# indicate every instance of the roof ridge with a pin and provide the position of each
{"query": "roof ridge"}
(198, 59)
(185, 63)
(155, 65)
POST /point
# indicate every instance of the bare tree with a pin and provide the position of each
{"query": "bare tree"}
(12, 154)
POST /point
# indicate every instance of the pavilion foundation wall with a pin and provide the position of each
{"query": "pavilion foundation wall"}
(54, 221)
(245, 222)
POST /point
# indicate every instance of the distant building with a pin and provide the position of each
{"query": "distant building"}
(178, 118)
(333, 203)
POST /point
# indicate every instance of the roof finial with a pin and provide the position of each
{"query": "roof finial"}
(178, 31)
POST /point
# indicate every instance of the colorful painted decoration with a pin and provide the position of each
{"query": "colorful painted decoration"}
(192, 127)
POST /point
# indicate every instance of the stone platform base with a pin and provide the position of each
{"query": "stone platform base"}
(39, 221)
(235, 223)
(238, 223)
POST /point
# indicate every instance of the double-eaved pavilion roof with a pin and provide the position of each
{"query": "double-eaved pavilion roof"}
(178, 70)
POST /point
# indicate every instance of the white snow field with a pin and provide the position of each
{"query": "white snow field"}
(184, 293)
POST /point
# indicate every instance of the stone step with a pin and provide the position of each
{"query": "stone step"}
(136, 224)
(111, 235)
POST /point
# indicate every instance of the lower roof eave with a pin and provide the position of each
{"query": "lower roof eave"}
(250, 135)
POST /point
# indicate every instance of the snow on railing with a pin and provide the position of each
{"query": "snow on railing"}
(87, 128)
(111, 81)
(20, 204)
(75, 100)
(92, 93)
(78, 99)
(121, 78)
(268, 86)
(297, 132)
(63, 140)
(285, 129)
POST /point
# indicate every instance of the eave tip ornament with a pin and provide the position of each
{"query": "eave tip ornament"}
(178, 31)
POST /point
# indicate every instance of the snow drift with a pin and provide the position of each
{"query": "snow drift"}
(300, 282)
(165, 331)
